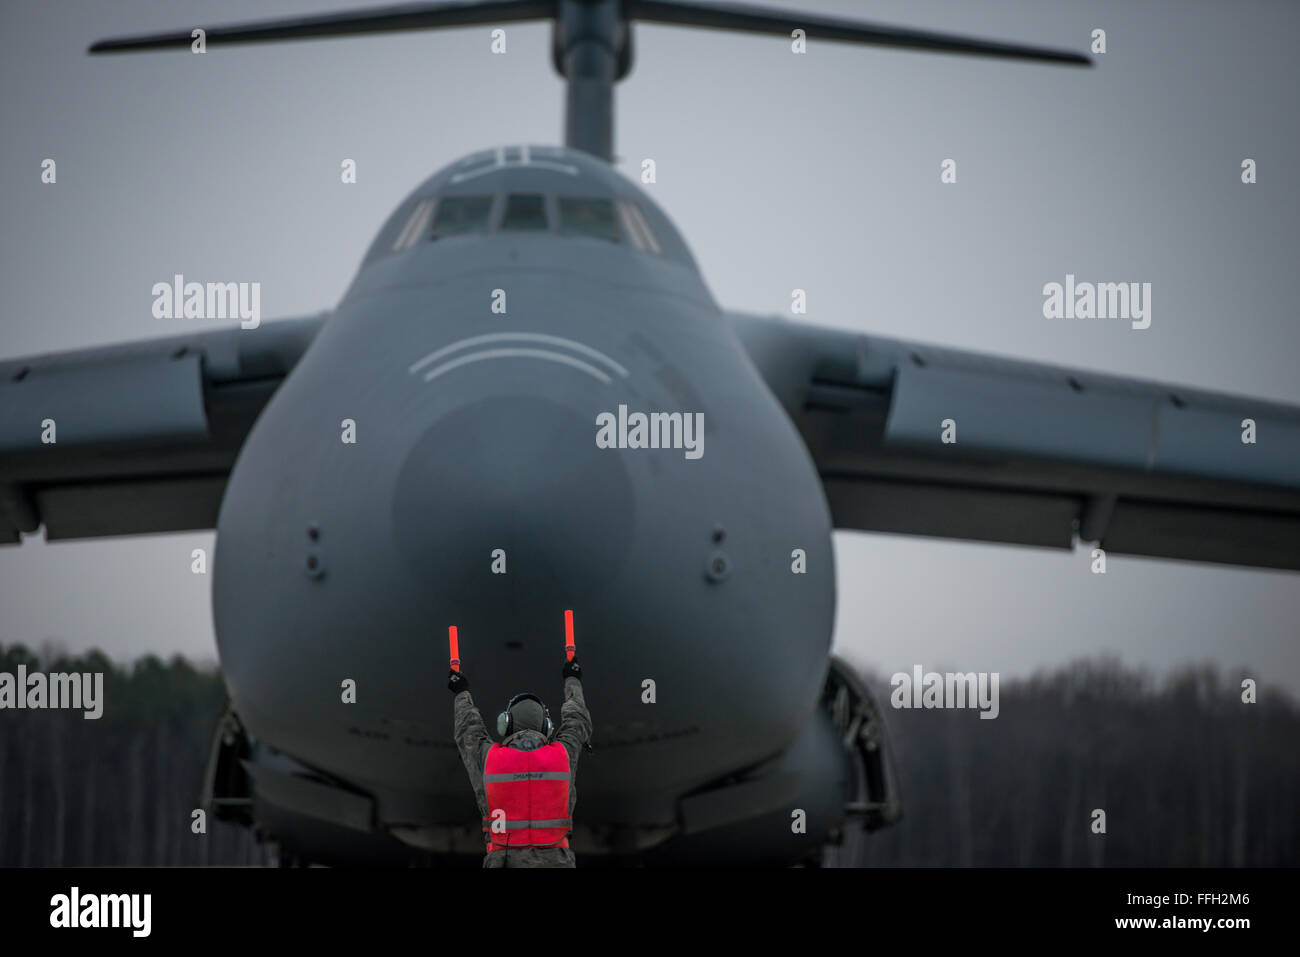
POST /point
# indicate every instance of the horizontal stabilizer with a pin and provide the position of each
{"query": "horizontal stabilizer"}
(745, 18)
(408, 16)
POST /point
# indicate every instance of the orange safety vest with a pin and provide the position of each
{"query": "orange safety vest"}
(532, 787)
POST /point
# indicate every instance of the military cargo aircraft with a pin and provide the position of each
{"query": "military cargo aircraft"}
(365, 469)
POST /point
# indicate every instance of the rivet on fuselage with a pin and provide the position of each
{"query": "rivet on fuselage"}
(314, 565)
(718, 567)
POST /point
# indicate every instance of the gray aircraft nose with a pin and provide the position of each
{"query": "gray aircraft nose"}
(523, 475)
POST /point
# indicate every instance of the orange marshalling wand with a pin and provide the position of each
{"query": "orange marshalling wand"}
(454, 641)
(569, 649)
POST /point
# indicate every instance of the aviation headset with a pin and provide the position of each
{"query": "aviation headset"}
(506, 721)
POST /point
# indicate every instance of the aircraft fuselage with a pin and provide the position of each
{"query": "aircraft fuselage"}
(435, 458)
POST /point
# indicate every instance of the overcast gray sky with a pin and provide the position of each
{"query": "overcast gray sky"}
(818, 171)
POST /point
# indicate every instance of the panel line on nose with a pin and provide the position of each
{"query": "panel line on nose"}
(519, 337)
(517, 353)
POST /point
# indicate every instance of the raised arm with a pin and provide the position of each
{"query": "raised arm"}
(471, 734)
(575, 720)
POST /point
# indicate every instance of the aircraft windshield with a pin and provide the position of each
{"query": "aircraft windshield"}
(588, 217)
(524, 211)
(637, 229)
(461, 214)
(431, 218)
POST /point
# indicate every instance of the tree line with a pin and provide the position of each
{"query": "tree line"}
(120, 789)
(1184, 771)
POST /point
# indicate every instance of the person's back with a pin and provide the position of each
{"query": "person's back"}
(524, 785)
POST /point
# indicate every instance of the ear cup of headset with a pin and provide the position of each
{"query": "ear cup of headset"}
(505, 722)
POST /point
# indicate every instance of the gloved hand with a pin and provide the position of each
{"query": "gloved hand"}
(572, 669)
(457, 682)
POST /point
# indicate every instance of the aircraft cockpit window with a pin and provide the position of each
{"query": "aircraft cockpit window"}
(524, 211)
(458, 215)
(637, 229)
(588, 217)
(415, 227)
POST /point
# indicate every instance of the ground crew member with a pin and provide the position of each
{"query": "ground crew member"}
(524, 785)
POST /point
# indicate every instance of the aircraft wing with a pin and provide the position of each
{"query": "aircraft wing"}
(1041, 452)
(145, 433)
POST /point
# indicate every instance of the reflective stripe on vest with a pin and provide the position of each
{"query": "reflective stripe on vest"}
(525, 825)
(529, 776)
(532, 789)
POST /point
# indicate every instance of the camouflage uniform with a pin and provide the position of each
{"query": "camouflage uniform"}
(474, 742)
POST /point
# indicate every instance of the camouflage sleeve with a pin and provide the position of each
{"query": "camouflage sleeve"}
(473, 742)
(575, 729)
